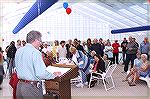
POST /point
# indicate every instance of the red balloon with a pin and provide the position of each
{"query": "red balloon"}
(68, 11)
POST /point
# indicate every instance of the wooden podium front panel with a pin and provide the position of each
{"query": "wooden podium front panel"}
(63, 89)
(53, 85)
(61, 85)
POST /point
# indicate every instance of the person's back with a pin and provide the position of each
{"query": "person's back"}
(11, 50)
(25, 54)
(30, 68)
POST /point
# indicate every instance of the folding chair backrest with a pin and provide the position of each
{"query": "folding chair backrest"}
(107, 65)
(110, 70)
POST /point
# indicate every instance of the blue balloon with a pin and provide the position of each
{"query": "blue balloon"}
(65, 5)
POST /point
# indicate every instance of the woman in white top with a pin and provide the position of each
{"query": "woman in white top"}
(108, 50)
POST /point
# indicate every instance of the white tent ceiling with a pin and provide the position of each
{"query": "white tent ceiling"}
(120, 13)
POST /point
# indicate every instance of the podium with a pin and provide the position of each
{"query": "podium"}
(61, 85)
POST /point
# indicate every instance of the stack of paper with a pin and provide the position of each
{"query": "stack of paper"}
(60, 70)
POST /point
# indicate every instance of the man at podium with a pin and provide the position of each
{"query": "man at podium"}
(31, 68)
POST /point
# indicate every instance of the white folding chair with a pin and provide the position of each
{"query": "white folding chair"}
(147, 79)
(104, 77)
(107, 65)
(76, 80)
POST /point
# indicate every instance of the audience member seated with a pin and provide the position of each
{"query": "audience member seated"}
(91, 57)
(143, 71)
(106, 60)
(98, 67)
(136, 66)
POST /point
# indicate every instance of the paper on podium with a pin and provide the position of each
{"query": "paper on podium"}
(59, 70)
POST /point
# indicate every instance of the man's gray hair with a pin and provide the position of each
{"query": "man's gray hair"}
(32, 36)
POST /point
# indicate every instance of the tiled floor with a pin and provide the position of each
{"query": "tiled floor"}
(121, 88)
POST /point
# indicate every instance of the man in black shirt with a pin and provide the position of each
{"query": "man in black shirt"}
(11, 51)
(69, 54)
(124, 49)
(102, 46)
(96, 47)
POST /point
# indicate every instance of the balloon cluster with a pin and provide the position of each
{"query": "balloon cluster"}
(68, 10)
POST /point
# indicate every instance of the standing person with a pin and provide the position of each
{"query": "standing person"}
(85, 47)
(145, 47)
(115, 51)
(102, 46)
(55, 49)
(1, 66)
(18, 44)
(11, 51)
(62, 52)
(30, 68)
(82, 61)
(89, 46)
(132, 48)
(23, 43)
(46, 48)
(96, 47)
(134, 41)
(80, 47)
(108, 50)
(69, 54)
(124, 49)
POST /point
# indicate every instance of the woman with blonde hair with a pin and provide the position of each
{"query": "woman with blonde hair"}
(82, 61)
